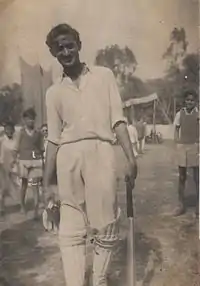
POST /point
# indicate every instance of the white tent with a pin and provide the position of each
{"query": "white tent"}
(147, 99)
(140, 100)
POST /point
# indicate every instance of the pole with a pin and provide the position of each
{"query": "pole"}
(41, 94)
(131, 269)
(154, 116)
(132, 114)
(174, 107)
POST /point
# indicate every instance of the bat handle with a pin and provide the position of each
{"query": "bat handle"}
(129, 199)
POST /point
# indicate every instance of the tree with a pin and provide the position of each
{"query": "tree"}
(11, 103)
(122, 62)
(119, 60)
(176, 51)
(182, 71)
(191, 69)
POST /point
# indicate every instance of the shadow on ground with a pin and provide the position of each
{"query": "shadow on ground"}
(148, 258)
(22, 254)
(27, 252)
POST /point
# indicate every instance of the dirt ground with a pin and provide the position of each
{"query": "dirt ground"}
(166, 247)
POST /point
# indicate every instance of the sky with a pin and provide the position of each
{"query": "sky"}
(143, 25)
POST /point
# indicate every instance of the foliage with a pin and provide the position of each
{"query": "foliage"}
(176, 51)
(117, 59)
(11, 103)
(123, 63)
(182, 72)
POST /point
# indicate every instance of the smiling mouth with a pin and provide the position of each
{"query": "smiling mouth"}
(67, 59)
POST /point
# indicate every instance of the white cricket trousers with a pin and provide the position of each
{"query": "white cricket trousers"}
(86, 173)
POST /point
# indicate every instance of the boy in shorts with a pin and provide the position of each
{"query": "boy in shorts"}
(187, 141)
(30, 150)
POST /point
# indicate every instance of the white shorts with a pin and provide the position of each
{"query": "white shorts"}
(30, 169)
(188, 155)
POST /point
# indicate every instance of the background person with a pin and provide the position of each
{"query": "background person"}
(30, 150)
(141, 130)
(8, 165)
(186, 137)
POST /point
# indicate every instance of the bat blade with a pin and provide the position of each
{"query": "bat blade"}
(131, 269)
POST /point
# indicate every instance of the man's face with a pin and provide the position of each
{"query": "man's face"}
(44, 131)
(190, 102)
(9, 131)
(66, 50)
(29, 122)
(129, 69)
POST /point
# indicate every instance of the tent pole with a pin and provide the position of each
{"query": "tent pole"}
(174, 107)
(132, 111)
(154, 116)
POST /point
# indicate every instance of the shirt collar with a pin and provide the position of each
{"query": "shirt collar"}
(6, 138)
(195, 109)
(85, 70)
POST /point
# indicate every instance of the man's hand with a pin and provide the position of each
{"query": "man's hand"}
(131, 173)
(176, 135)
(48, 195)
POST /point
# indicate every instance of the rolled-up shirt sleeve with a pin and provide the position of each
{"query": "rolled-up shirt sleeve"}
(54, 120)
(115, 102)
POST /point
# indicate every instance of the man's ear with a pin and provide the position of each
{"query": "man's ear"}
(53, 51)
(79, 45)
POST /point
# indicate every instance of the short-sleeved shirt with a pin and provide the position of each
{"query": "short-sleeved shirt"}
(88, 112)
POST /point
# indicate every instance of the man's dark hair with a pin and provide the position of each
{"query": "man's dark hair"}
(61, 29)
(8, 123)
(29, 113)
(190, 92)
(43, 125)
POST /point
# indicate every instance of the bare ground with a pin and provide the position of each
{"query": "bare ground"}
(166, 247)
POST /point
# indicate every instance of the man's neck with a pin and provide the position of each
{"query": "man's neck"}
(75, 71)
(29, 130)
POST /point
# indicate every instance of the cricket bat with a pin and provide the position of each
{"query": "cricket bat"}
(131, 267)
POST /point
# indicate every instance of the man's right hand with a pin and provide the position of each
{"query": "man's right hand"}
(48, 195)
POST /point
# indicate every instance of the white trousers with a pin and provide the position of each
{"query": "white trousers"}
(86, 173)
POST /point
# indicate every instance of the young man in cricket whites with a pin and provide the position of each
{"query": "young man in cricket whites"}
(84, 111)
(187, 139)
